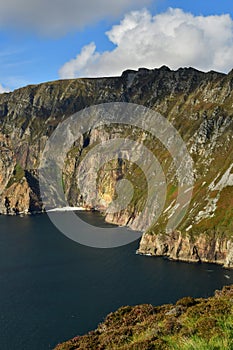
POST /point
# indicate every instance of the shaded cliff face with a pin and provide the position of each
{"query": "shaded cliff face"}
(199, 105)
(189, 324)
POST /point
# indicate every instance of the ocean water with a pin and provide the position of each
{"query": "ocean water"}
(52, 288)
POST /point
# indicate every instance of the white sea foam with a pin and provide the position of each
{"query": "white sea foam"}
(66, 209)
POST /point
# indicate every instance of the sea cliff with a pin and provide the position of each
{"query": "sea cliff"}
(202, 248)
(199, 106)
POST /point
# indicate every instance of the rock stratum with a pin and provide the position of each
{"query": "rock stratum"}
(199, 105)
(189, 324)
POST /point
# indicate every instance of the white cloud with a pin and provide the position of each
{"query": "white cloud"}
(3, 89)
(87, 57)
(55, 17)
(173, 38)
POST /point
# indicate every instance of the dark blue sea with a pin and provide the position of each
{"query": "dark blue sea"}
(52, 288)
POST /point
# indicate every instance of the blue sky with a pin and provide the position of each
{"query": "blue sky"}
(67, 39)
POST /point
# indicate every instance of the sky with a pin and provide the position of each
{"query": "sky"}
(43, 40)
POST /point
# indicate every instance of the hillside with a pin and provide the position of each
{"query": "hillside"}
(199, 105)
(189, 324)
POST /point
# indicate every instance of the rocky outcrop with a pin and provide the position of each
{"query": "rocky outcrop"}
(197, 104)
(202, 248)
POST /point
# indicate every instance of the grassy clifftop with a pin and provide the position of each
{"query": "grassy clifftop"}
(190, 324)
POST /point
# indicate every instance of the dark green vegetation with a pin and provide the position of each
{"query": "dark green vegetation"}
(17, 175)
(190, 324)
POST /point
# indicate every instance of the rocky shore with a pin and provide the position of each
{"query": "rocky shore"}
(185, 248)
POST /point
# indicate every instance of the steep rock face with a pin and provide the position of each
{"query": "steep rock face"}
(7, 161)
(17, 198)
(199, 105)
(176, 246)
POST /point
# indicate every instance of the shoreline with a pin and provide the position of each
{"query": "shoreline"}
(146, 250)
(44, 211)
(64, 209)
(188, 261)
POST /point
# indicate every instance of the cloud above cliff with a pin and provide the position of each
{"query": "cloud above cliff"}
(3, 89)
(56, 17)
(173, 38)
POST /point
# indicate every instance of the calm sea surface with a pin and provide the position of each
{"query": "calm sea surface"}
(52, 289)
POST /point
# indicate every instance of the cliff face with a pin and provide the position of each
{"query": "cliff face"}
(203, 248)
(199, 105)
